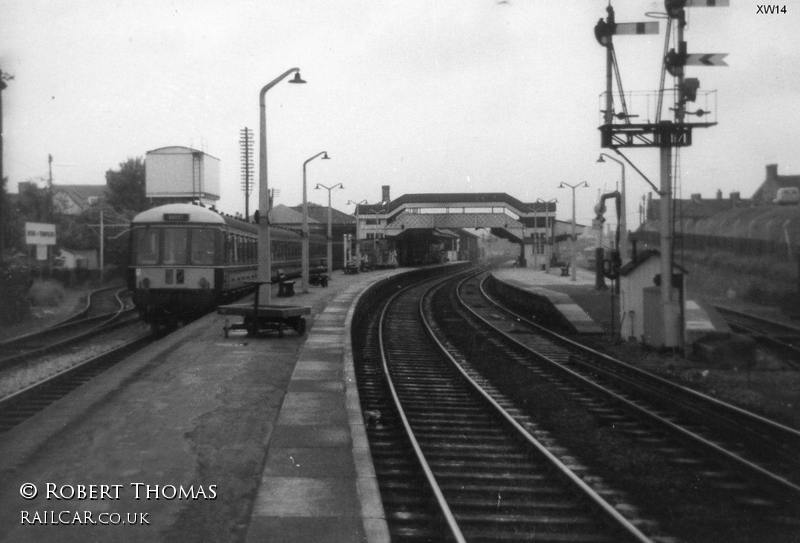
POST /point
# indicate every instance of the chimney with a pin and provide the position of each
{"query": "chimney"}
(696, 197)
(719, 194)
(385, 193)
(735, 198)
(772, 172)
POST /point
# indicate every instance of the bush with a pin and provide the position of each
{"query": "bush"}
(46, 293)
(14, 284)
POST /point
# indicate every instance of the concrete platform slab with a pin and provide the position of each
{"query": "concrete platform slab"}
(307, 497)
(301, 408)
(309, 462)
(311, 530)
(542, 284)
(311, 436)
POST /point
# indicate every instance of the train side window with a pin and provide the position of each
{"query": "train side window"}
(202, 244)
(146, 243)
(176, 242)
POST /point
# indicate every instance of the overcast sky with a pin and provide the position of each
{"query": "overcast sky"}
(424, 96)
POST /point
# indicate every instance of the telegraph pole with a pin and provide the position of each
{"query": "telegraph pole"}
(246, 144)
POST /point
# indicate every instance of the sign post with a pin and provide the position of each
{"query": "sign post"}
(40, 235)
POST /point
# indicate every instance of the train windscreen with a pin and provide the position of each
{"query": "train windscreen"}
(175, 243)
(145, 241)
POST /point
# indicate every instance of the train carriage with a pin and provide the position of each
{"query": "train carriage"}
(186, 259)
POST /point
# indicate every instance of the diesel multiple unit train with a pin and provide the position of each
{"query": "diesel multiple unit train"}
(185, 259)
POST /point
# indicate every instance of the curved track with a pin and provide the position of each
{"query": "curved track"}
(39, 368)
(733, 457)
(105, 309)
(672, 463)
(486, 475)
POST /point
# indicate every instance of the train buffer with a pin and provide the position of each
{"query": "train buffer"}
(258, 318)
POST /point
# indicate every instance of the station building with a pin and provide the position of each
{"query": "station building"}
(429, 228)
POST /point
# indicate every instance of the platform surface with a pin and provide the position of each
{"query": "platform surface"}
(545, 284)
(272, 424)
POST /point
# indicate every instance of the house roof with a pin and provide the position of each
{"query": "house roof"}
(281, 214)
(696, 208)
(80, 194)
(319, 213)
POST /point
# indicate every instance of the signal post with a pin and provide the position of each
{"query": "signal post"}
(619, 131)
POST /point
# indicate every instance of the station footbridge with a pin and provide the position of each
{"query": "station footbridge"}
(424, 217)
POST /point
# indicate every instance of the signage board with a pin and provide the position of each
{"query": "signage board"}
(40, 233)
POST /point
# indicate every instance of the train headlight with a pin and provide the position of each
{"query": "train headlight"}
(204, 284)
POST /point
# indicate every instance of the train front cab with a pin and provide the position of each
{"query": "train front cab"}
(173, 270)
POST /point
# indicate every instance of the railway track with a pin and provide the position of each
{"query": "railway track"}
(741, 461)
(105, 309)
(778, 335)
(454, 461)
(39, 368)
(26, 401)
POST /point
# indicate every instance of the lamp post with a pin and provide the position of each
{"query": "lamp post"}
(546, 217)
(324, 155)
(623, 223)
(572, 247)
(358, 230)
(330, 233)
(264, 241)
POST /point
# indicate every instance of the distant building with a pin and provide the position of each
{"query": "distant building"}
(696, 207)
(319, 213)
(75, 199)
(768, 191)
(341, 223)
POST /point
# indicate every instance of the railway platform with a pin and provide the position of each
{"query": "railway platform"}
(589, 310)
(559, 290)
(199, 437)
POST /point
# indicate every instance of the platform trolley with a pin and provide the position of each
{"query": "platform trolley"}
(258, 319)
